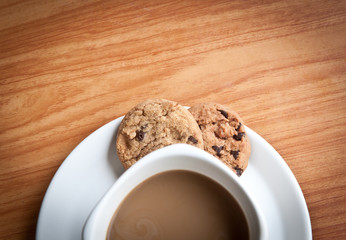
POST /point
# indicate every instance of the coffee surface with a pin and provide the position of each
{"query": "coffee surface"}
(181, 205)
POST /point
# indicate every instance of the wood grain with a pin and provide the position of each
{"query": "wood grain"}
(69, 67)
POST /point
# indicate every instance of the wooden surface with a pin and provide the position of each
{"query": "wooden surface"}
(69, 67)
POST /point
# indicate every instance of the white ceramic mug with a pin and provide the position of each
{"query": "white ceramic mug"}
(173, 157)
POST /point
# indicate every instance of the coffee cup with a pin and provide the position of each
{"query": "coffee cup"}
(178, 160)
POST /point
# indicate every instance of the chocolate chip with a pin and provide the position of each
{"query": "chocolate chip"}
(235, 154)
(239, 171)
(239, 136)
(224, 113)
(200, 127)
(217, 150)
(237, 129)
(140, 135)
(193, 140)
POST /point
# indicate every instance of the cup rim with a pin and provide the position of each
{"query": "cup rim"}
(101, 214)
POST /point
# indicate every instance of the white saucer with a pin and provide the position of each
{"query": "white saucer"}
(92, 168)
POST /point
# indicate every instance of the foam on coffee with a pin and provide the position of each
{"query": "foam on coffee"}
(181, 205)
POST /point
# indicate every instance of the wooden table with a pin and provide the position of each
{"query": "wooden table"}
(69, 67)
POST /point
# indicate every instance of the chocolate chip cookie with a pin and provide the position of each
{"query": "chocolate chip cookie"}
(223, 134)
(154, 124)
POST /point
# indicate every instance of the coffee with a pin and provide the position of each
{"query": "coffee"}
(180, 205)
